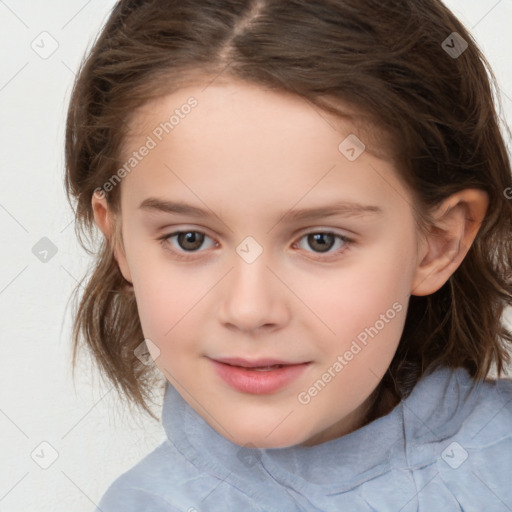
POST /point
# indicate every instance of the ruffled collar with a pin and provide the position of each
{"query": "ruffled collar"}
(340, 464)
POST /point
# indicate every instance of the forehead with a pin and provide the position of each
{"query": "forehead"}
(246, 142)
(223, 99)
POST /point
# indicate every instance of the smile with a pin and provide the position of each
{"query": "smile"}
(258, 377)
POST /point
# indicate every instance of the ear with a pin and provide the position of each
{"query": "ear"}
(457, 221)
(105, 221)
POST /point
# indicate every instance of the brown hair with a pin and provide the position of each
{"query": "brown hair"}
(388, 61)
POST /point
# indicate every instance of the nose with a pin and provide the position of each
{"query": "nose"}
(252, 297)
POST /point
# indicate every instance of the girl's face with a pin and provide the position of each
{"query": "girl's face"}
(282, 263)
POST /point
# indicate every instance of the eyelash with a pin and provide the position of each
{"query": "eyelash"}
(180, 255)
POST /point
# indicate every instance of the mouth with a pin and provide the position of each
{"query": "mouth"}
(257, 364)
(260, 376)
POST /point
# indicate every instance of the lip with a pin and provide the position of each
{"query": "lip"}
(238, 361)
(238, 374)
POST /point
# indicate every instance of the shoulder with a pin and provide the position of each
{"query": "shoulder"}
(159, 482)
(459, 438)
(122, 497)
(491, 419)
(448, 401)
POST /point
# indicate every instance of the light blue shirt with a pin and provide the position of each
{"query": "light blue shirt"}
(447, 447)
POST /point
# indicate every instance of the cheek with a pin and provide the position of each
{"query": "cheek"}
(353, 297)
(165, 308)
(166, 295)
(172, 302)
(377, 308)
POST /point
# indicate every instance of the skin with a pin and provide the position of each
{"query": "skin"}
(249, 155)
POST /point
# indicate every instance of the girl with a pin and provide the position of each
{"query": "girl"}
(306, 218)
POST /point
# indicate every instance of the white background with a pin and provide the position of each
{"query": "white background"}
(96, 439)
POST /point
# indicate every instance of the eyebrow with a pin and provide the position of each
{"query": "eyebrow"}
(342, 209)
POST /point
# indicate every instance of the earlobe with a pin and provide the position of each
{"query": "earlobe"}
(103, 218)
(457, 221)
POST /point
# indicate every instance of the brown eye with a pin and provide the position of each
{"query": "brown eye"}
(321, 241)
(186, 242)
(190, 240)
